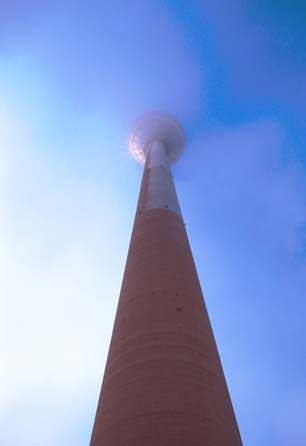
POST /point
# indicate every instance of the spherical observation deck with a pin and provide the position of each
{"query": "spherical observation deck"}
(156, 127)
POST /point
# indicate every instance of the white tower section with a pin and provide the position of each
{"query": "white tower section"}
(157, 141)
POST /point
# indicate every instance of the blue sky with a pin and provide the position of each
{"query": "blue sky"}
(73, 77)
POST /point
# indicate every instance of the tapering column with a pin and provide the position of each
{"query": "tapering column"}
(163, 383)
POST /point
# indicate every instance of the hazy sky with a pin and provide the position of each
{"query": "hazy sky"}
(73, 77)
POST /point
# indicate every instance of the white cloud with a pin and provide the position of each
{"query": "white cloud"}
(59, 282)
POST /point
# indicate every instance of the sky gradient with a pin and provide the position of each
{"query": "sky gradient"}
(73, 77)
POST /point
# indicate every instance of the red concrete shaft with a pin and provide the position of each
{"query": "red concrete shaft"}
(163, 383)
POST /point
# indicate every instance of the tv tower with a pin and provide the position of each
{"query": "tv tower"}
(163, 383)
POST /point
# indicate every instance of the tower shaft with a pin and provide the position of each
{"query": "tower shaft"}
(163, 383)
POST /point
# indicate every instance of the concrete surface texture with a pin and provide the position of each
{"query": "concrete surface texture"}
(163, 383)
